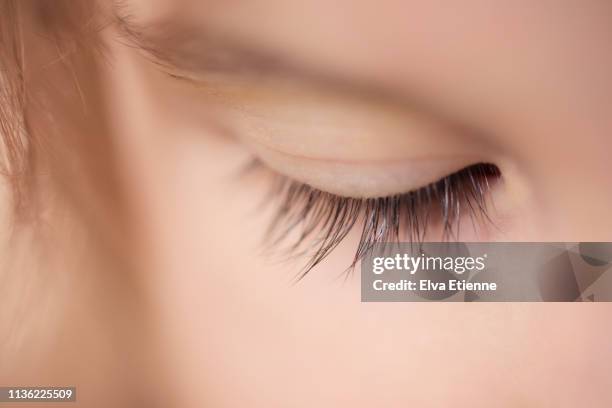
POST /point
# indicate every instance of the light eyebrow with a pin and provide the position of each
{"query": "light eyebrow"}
(215, 53)
(190, 53)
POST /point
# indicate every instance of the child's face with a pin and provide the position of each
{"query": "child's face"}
(362, 99)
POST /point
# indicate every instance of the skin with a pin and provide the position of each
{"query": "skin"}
(530, 80)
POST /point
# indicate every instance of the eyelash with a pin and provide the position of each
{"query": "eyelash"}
(326, 219)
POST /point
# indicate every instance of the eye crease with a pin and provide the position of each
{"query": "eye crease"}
(323, 220)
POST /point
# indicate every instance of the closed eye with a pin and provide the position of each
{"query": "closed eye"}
(323, 219)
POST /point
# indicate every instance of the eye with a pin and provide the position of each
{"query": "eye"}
(321, 220)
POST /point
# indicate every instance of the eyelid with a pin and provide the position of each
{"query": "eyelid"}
(320, 124)
(362, 179)
(258, 145)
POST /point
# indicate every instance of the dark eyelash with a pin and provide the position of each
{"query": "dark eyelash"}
(326, 219)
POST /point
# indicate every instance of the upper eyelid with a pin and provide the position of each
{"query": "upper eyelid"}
(364, 178)
(385, 161)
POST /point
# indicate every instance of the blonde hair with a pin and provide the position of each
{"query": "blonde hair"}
(65, 227)
(13, 97)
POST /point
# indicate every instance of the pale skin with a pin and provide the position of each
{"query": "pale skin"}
(531, 80)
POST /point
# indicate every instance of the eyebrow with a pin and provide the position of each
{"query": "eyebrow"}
(215, 53)
(190, 53)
